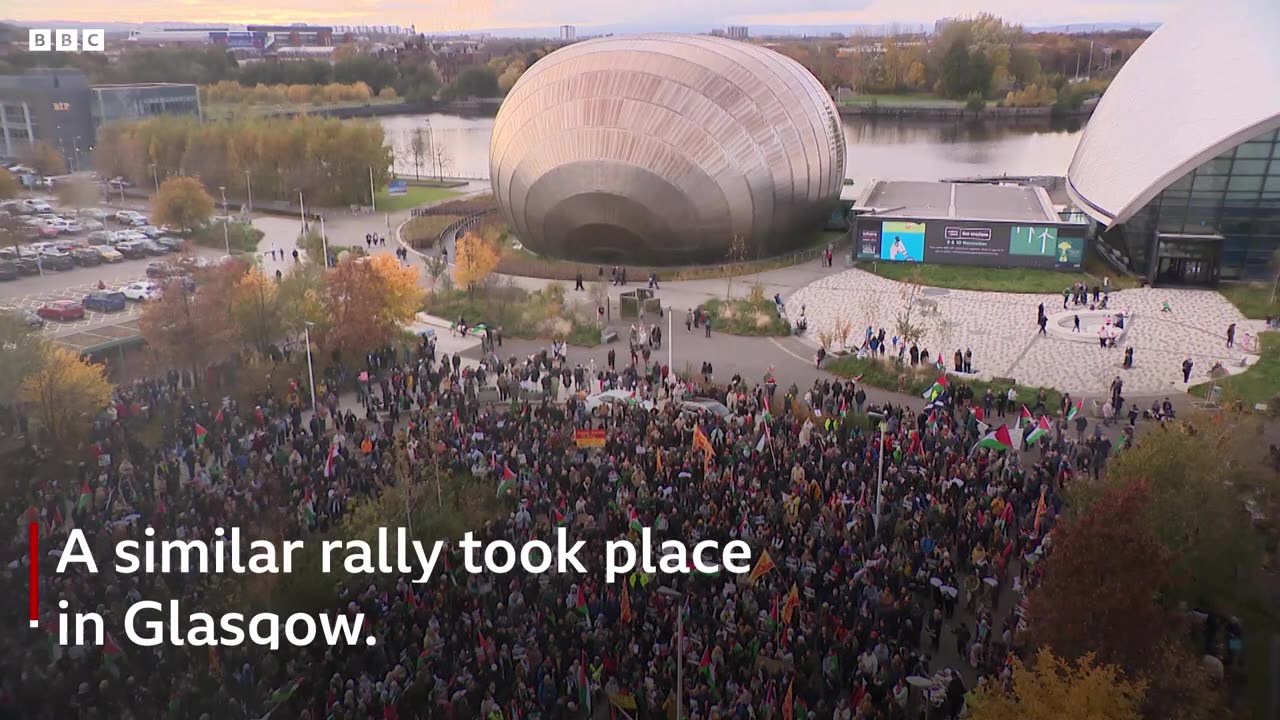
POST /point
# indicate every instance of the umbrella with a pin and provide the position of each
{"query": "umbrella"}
(936, 582)
(949, 590)
(991, 581)
(919, 681)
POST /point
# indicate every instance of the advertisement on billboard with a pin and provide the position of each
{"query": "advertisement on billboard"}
(1044, 242)
(868, 247)
(965, 245)
(902, 241)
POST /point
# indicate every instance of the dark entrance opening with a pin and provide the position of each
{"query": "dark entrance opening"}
(1193, 260)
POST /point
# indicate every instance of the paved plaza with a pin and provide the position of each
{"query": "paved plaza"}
(1001, 330)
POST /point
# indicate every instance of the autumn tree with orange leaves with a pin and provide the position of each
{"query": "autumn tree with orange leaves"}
(192, 330)
(257, 310)
(368, 301)
(1053, 688)
(1099, 593)
(65, 393)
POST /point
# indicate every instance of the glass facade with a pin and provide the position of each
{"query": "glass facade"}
(1235, 196)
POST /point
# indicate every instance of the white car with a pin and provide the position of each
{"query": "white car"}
(127, 217)
(126, 236)
(615, 396)
(142, 291)
(39, 206)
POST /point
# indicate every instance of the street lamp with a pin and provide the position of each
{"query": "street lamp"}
(880, 475)
(324, 242)
(226, 231)
(248, 186)
(311, 372)
(677, 595)
(431, 144)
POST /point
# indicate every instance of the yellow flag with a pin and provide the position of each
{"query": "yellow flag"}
(763, 566)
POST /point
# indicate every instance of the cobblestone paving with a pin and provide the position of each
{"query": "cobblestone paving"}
(1001, 330)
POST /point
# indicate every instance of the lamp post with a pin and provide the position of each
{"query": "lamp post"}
(302, 212)
(226, 231)
(431, 144)
(311, 372)
(880, 475)
(373, 195)
(671, 340)
(155, 177)
(248, 186)
(324, 242)
(677, 595)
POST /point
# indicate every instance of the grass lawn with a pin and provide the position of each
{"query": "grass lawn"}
(745, 317)
(890, 100)
(962, 277)
(1253, 300)
(422, 232)
(520, 313)
(884, 376)
(1258, 384)
(414, 197)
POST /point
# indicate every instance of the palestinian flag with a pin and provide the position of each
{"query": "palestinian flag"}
(939, 386)
(584, 688)
(217, 419)
(998, 439)
(633, 520)
(707, 668)
(626, 604)
(1121, 445)
(775, 619)
(581, 603)
(86, 498)
(762, 568)
(690, 567)
(932, 421)
(1041, 429)
(790, 605)
(978, 413)
(1025, 417)
(200, 433)
(508, 481)
(1074, 409)
(557, 517)
(857, 378)
(282, 695)
(111, 654)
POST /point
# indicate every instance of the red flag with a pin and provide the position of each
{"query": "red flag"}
(626, 604)
(506, 472)
(200, 433)
(218, 418)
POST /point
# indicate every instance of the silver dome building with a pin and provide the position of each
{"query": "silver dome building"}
(662, 148)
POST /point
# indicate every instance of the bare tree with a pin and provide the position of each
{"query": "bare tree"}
(909, 327)
(444, 160)
(438, 271)
(418, 149)
(736, 255)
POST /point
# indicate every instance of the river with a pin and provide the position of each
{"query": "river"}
(876, 147)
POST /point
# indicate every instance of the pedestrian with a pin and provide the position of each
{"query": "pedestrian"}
(706, 323)
(1076, 324)
(822, 354)
(688, 321)
(1040, 312)
(612, 359)
(1044, 322)
(1066, 295)
(968, 360)
(653, 281)
(1186, 370)
(577, 285)
(1231, 335)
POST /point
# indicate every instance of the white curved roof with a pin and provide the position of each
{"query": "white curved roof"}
(1204, 82)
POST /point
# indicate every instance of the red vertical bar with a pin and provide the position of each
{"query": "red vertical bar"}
(33, 582)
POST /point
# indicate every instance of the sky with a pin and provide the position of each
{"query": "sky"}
(456, 15)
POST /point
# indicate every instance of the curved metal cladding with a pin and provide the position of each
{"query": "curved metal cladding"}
(662, 148)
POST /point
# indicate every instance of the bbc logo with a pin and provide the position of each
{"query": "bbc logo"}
(64, 40)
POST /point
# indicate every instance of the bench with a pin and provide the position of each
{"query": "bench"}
(608, 335)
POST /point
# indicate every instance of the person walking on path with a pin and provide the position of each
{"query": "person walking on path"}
(1066, 295)
(1186, 370)
(1044, 322)
(822, 354)
(1231, 335)
(577, 285)
(706, 323)
(688, 321)
(1076, 324)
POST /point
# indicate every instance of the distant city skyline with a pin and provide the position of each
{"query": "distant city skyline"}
(437, 16)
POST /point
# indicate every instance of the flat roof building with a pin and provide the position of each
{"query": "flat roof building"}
(997, 225)
(1180, 162)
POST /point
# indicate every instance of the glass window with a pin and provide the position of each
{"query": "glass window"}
(1249, 167)
(1273, 182)
(1245, 182)
(1204, 183)
(1254, 150)
(1217, 166)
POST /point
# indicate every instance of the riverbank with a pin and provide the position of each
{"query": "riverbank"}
(376, 108)
(951, 110)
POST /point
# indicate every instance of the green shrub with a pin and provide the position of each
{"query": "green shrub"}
(242, 237)
(975, 103)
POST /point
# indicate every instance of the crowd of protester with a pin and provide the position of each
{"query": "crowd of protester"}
(849, 621)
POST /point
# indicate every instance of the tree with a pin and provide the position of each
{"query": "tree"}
(66, 392)
(443, 160)
(480, 81)
(1055, 688)
(1275, 268)
(368, 301)
(13, 233)
(21, 353)
(192, 330)
(437, 270)
(368, 69)
(474, 260)
(1099, 590)
(45, 159)
(9, 186)
(1197, 474)
(78, 193)
(256, 310)
(182, 202)
(908, 327)
(418, 148)
(735, 255)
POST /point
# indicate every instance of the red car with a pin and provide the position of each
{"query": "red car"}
(62, 310)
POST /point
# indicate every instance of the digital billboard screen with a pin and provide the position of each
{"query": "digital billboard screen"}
(966, 242)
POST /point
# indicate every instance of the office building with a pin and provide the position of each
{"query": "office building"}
(1180, 163)
(736, 32)
(568, 33)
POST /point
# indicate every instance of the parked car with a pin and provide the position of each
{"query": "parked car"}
(91, 225)
(140, 221)
(99, 237)
(37, 205)
(8, 271)
(97, 214)
(87, 256)
(108, 253)
(17, 207)
(125, 217)
(61, 310)
(128, 236)
(172, 243)
(26, 265)
(151, 231)
(131, 249)
(104, 302)
(117, 183)
(24, 316)
(707, 405)
(143, 291)
(152, 248)
(46, 231)
(161, 270)
(56, 260)
(70, 227)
